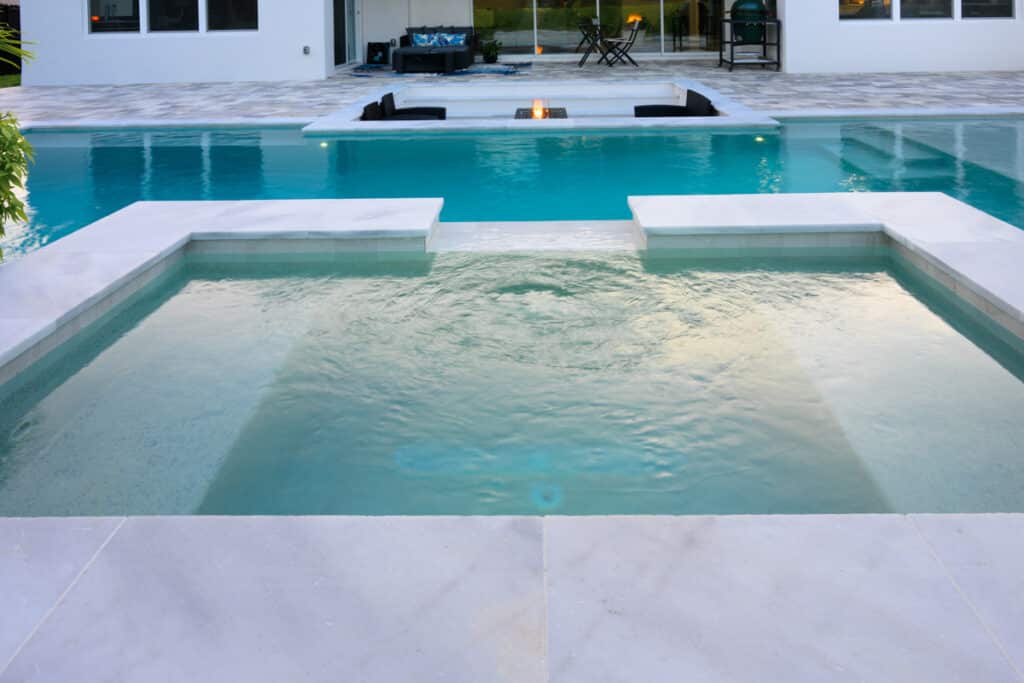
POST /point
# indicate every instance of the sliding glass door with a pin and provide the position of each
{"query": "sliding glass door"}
(510, 22)
(558, 24)
(693, 24)
(617, 17)
(344, 31)
(553, 26)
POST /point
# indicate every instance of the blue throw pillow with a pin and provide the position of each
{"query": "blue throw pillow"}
(452, 39)
(425, 40)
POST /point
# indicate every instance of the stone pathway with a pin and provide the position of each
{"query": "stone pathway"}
(765, 90)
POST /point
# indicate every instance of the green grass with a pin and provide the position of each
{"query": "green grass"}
(10, 81)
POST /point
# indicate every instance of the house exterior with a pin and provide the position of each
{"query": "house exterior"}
(162, 41)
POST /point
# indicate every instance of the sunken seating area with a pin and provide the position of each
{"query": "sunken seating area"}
(696, 105)
(435, 49)
(385, 110)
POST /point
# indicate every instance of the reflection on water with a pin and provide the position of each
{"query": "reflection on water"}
(81, 177)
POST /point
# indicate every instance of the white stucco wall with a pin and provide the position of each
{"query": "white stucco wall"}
(67, 54)
(815, 40)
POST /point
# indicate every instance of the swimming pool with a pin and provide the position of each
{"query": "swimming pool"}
(80, 177)
(523, 384)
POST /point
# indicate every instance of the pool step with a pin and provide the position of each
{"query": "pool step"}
(873, 161)
(892, 144)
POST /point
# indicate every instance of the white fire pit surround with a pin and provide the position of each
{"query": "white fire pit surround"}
(590, 104)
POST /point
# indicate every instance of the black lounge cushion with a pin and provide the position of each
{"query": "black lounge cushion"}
(696, 105)
(393, 113)
(373, 112)
(644, 111)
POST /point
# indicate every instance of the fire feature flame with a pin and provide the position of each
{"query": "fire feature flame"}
(538, 109)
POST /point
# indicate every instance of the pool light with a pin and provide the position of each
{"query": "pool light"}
(759, 138)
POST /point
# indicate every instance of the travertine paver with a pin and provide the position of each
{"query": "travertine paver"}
(764, 90)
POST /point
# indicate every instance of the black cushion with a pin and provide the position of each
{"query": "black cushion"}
(373, 112)
(643, 111)
(698, 105)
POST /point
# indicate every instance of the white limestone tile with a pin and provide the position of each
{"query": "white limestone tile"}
(55, 284)
(846, 113)
(985, 556)
(841, 598)
(338, 217)
(932, 217)
(989, 269)
(534, 236)
(225, 122)
(18, 335)
(313, 599)
(697, 214)
(39, 559)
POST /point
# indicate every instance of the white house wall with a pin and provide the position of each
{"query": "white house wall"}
(67, 54)
(817, 41)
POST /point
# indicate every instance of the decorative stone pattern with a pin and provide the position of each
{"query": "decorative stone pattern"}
(758, 89)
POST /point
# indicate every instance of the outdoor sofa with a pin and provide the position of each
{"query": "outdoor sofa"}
(435, 49)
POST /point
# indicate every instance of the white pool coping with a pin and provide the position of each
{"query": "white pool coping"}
(733, 114)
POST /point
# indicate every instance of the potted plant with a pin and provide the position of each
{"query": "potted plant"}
(490, 51)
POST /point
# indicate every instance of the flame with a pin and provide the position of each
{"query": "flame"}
(540, 50)
(538, 109)
(633, 18)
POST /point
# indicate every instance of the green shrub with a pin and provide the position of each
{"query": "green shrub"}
(15, 152)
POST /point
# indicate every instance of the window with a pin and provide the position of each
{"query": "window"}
(173, 15)
(865, 9)
(508, 21)
(233, 15)
(618, 17)
(926, 9)
(974, 9)
(111, 16)
(558, 24)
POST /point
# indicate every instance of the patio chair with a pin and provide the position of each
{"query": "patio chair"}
(617, 49)
(592, 38)
(393, 113)
(696, 105)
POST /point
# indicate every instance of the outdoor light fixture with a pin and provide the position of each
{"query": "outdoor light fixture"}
(634, 18)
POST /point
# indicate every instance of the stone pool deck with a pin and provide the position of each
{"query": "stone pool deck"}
(760, 90)
(562, 599)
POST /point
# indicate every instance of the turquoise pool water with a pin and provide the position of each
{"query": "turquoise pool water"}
(80, 177)
(528, 384)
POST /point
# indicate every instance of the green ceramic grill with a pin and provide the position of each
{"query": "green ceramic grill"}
(743, 11)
